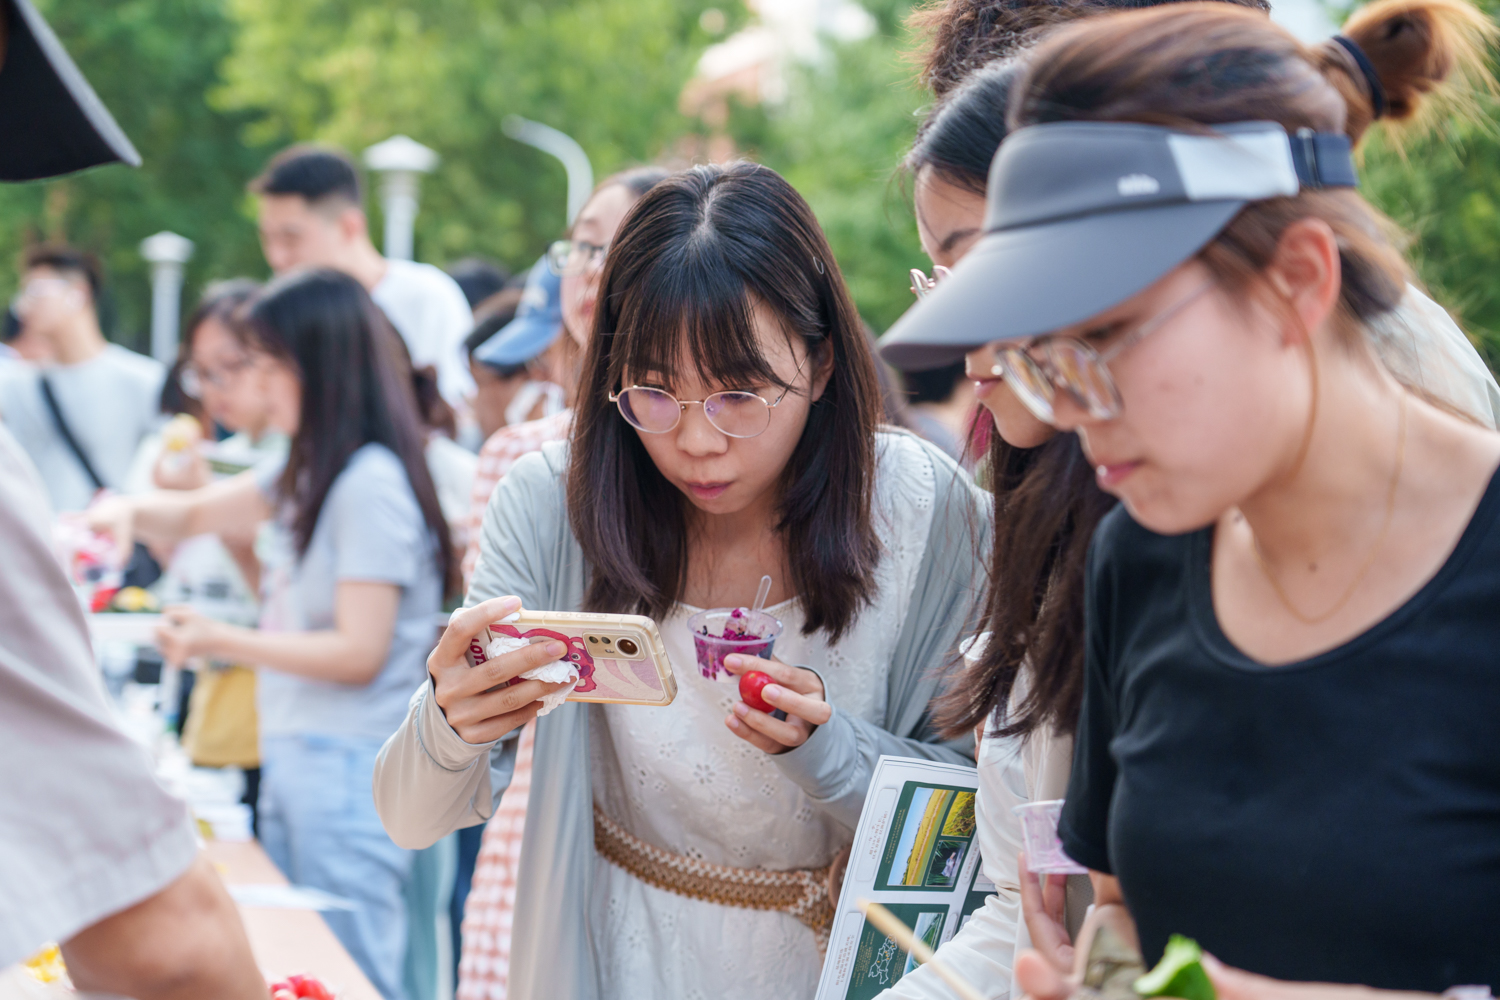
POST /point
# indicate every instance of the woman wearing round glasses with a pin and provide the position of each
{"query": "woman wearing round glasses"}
(726, 429)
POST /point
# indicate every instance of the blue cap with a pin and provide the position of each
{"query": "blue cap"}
(537, 324)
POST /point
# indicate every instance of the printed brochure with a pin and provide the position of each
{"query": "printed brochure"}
(916, 854)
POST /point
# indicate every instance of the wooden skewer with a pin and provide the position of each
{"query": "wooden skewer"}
(888, 924)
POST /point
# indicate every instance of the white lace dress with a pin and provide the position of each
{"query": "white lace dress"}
(678, 779)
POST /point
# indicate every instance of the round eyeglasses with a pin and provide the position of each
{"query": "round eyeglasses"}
(921, 285)
(574, 257)
(1036, 371)
(194, 378)
(734, 413)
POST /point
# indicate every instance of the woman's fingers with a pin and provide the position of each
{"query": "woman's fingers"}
(465, 626)
(1039, 979)
(791, 733)
(491, 729)
(1048, 934)
(509, 666)
(483, 712)
(799, 679)
(467, 682)
(174, 634)
(815, 710)
(114, 516)
(169, 644)
(1055, 896)
(761, 742)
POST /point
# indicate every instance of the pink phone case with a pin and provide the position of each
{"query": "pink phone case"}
(621, 658)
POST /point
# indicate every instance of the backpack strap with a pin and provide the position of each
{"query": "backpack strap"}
(67, 434)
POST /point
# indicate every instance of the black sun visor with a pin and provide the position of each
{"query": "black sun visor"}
(51, 121)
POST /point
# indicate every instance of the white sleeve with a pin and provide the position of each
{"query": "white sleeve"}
(429, 782)
(87, 829)
(983, 950)
(452, 322)
(1421, 345)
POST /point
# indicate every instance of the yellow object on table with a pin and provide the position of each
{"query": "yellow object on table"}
(222, 727)
(46, 966)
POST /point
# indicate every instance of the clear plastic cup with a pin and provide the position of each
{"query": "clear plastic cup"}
(708, 641)
(1044, 851)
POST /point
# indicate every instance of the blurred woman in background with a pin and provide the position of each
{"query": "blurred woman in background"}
(356, 564)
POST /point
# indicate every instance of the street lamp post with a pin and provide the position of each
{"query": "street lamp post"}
(561, 145)
(400, 161)
(166, 253)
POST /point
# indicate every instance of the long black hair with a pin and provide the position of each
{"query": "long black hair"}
(1047, 503)
(356, 390)
(689, 262)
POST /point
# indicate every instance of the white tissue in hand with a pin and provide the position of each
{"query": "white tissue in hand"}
(556, 672)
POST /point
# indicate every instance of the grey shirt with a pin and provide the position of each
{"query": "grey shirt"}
(370, 529)
(110, 402)
(86, 829)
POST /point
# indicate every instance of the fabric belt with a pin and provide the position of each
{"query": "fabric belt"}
(802, 892)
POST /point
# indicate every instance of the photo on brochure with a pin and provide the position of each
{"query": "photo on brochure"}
(879, 963)
(931, 833)
(915, 853)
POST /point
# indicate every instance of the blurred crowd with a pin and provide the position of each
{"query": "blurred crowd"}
(1239, 574)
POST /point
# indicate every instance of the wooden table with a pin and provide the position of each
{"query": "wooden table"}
(284, 941)
(287, 941)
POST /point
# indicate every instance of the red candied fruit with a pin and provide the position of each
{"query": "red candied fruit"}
(752, 682)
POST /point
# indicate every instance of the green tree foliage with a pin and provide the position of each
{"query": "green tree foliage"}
(1444, 192)
(447, 72)
(209, 88)
(152, 62)
(608, 73)
(839, 139)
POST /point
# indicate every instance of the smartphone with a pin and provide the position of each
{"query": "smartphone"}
(621, 658)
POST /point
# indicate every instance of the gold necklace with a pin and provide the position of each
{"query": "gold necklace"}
(1390, 510)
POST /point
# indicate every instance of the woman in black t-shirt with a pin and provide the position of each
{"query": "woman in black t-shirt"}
(1287, 747)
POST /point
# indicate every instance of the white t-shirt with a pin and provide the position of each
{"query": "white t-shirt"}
(87, 830)
(110, 402)
(430, 312)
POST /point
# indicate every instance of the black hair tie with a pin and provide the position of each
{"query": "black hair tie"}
(1372, 79)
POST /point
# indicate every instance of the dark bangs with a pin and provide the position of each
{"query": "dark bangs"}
(693, 297)
(691, 260)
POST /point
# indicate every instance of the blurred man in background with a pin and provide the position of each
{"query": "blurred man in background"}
(312, 215)
(80, 417)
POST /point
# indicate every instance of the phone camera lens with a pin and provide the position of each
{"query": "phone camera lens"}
(628, 647)
(593, 638)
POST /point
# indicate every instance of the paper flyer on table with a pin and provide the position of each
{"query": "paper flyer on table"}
(915, 852)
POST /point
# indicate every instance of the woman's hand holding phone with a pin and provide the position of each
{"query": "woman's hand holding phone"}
(794, 690)
(468, 696)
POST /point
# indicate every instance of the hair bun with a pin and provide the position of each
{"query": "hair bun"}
(1430, 57)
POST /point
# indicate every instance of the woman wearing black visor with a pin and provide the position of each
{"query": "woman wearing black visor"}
(1285, 748)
